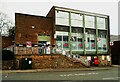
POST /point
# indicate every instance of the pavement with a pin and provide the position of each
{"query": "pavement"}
(60, 69)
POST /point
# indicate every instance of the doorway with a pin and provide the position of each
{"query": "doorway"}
(43, 43)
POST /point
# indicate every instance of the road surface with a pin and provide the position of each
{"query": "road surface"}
(110, 74)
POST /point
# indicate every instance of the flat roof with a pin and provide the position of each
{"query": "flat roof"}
(80, 12)
(32, 15)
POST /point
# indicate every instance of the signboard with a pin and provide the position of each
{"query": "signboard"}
(28, 44)
(44, 38)
(111, 43)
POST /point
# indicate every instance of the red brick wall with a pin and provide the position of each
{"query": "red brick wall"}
(52, 14)
(48, 61)
(24, 31)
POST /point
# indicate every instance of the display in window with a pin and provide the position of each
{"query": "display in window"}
(59, 41)
(90, 39)
(65, 42)
(102, 41)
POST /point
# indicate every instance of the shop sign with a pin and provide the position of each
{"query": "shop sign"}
(28, 44)
(43, 38)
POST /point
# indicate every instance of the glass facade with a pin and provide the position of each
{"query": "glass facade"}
(76, 20)
(102, 41)
(101, 23)
(62, 18)
(85, 33)
(62, 37)
(89, 21)
(77, 39)
(90, 40)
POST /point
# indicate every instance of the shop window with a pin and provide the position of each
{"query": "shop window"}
(77, 38)
(90, 39)
(62, 40)
(59, 38)
(59, 42)
(74, 42)
(80, 43)
(65, 42)
(102, 41)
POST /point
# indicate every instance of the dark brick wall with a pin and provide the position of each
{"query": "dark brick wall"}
(7, 64)
(7, 41)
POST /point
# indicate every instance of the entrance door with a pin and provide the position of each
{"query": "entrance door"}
(41, 48)
(43, 43)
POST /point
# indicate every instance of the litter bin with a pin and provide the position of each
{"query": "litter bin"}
(26, 63)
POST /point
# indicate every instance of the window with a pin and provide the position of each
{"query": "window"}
(90, 39)
(62, 40)
(65, 42)
(77, 39)
(102, 40)
(65, 38)
(59, 38)
(62, 18)
(101, 23)
(76, 20)
(89, 22)
(59, 41)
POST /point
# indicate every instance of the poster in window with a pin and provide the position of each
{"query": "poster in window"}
(28, 44)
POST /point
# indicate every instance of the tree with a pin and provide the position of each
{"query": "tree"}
(5, 24)
(11, 32)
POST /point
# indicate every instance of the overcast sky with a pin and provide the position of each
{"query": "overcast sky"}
(41, 8)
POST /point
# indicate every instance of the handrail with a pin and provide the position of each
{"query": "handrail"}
(64, 52)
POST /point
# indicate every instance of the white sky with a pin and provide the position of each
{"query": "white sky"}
(36, 7)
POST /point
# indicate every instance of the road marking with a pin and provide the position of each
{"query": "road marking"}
(78, 74)
(110, 78)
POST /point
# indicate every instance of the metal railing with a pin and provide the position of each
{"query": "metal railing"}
(77, 57)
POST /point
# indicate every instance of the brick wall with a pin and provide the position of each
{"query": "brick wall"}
(25, 32)
(48, 61)
(104, 62)
(7, 41)
(7, 64)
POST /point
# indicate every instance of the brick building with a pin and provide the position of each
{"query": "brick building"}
(115, 53)
(7, 43)
(78, 33)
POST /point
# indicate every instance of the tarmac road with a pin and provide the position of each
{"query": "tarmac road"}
(102, 74)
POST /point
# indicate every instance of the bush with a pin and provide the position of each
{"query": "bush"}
(7, 55)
